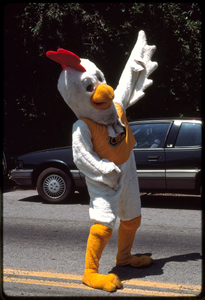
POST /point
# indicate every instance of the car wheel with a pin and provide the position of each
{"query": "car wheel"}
(54, 185)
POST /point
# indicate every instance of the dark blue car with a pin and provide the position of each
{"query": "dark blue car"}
(167, 154)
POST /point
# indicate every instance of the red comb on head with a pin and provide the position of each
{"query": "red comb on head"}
(66, 59)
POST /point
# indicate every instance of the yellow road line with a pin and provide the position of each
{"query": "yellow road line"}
(81, 286)
(153, 293)
(48, 282)
(163, 285)
(134, 282)
(42, 274)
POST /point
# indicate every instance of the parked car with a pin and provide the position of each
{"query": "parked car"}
(167, 154)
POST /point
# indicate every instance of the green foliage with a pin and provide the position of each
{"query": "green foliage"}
(35, 116)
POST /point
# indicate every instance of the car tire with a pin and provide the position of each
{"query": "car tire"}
(54, 185)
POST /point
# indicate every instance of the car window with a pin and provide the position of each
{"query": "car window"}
(189, 135)
(150, 135)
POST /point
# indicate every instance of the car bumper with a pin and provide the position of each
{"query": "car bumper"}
(21, 176)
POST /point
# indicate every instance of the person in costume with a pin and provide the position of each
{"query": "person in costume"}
(102, 144)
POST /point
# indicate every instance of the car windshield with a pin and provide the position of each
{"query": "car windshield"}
(150, 135)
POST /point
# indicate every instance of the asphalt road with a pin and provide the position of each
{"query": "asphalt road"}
(44, 247)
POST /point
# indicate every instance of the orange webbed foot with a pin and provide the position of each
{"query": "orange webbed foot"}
(142, 261)
(107, 283)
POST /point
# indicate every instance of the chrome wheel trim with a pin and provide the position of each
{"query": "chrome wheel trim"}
(54, 186)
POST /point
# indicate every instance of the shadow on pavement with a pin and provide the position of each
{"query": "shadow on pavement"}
(129, 272)
(151, 200)
(173, 201)
(77, 198)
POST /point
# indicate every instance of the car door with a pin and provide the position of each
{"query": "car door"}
(149, 153)
(183, 156)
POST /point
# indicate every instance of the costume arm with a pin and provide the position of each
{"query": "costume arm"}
(88, 162)
(134, 79)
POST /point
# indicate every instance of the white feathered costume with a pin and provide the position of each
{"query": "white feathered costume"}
(103, 142)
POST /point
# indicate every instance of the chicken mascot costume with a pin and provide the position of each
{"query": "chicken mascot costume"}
(102, 150)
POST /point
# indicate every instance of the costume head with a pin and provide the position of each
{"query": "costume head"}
(83, 87)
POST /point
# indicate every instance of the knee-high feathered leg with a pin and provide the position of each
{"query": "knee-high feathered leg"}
(97, 240)
(126, 235)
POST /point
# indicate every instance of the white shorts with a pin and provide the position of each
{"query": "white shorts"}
(106, 204)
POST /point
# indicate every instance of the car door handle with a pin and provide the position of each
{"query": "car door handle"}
(153, 158)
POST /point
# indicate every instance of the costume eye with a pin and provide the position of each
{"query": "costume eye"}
(88, 84)
(99, 77)
(90, 88)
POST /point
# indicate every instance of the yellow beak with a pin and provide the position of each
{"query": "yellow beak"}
(103, 96)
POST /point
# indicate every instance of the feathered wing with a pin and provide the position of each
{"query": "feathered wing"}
(134, 79)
